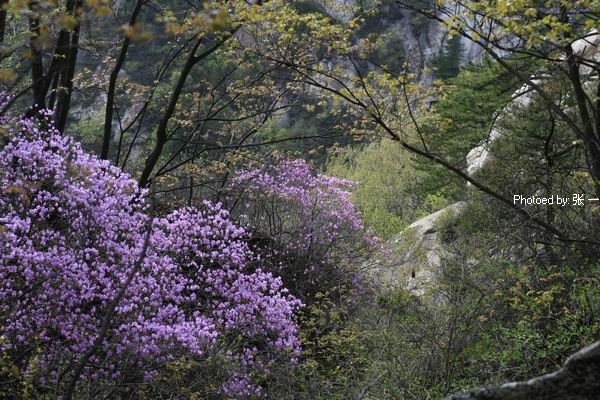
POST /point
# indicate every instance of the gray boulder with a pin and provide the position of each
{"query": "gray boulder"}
(578, 379)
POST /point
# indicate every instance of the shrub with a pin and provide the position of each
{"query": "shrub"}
(73, 232)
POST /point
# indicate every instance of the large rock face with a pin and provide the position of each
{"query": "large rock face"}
(417, 252)
(579, 379)
(420, 38)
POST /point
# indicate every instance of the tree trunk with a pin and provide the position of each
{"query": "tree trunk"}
(67, 73)
(110, 96)
(3, 4)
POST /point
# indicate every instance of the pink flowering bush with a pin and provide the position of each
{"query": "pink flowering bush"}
(308, 218)
(314, 239)
(72, 227)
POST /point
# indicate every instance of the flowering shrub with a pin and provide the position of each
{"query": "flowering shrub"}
(72, 227)
(309, 217)
(315, 241)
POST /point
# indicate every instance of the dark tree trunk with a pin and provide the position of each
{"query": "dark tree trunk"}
(112, 83)
(37, 67)
(590, 136)
(161, 130)
(67, 73)
(3, 4)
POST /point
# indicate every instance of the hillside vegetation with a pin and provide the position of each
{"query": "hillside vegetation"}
(297, 200)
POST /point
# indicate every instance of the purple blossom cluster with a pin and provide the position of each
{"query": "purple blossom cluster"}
(72, 227)
(317, 209)
(316, 230)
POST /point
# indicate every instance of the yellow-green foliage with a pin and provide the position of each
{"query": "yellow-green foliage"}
(335, 353)
(388, 185)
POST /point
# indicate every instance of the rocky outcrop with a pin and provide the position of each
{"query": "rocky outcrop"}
(587, 50)
(421, 38)
(480, 156)
(579, 379)
(340, 10)
(417, 252)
